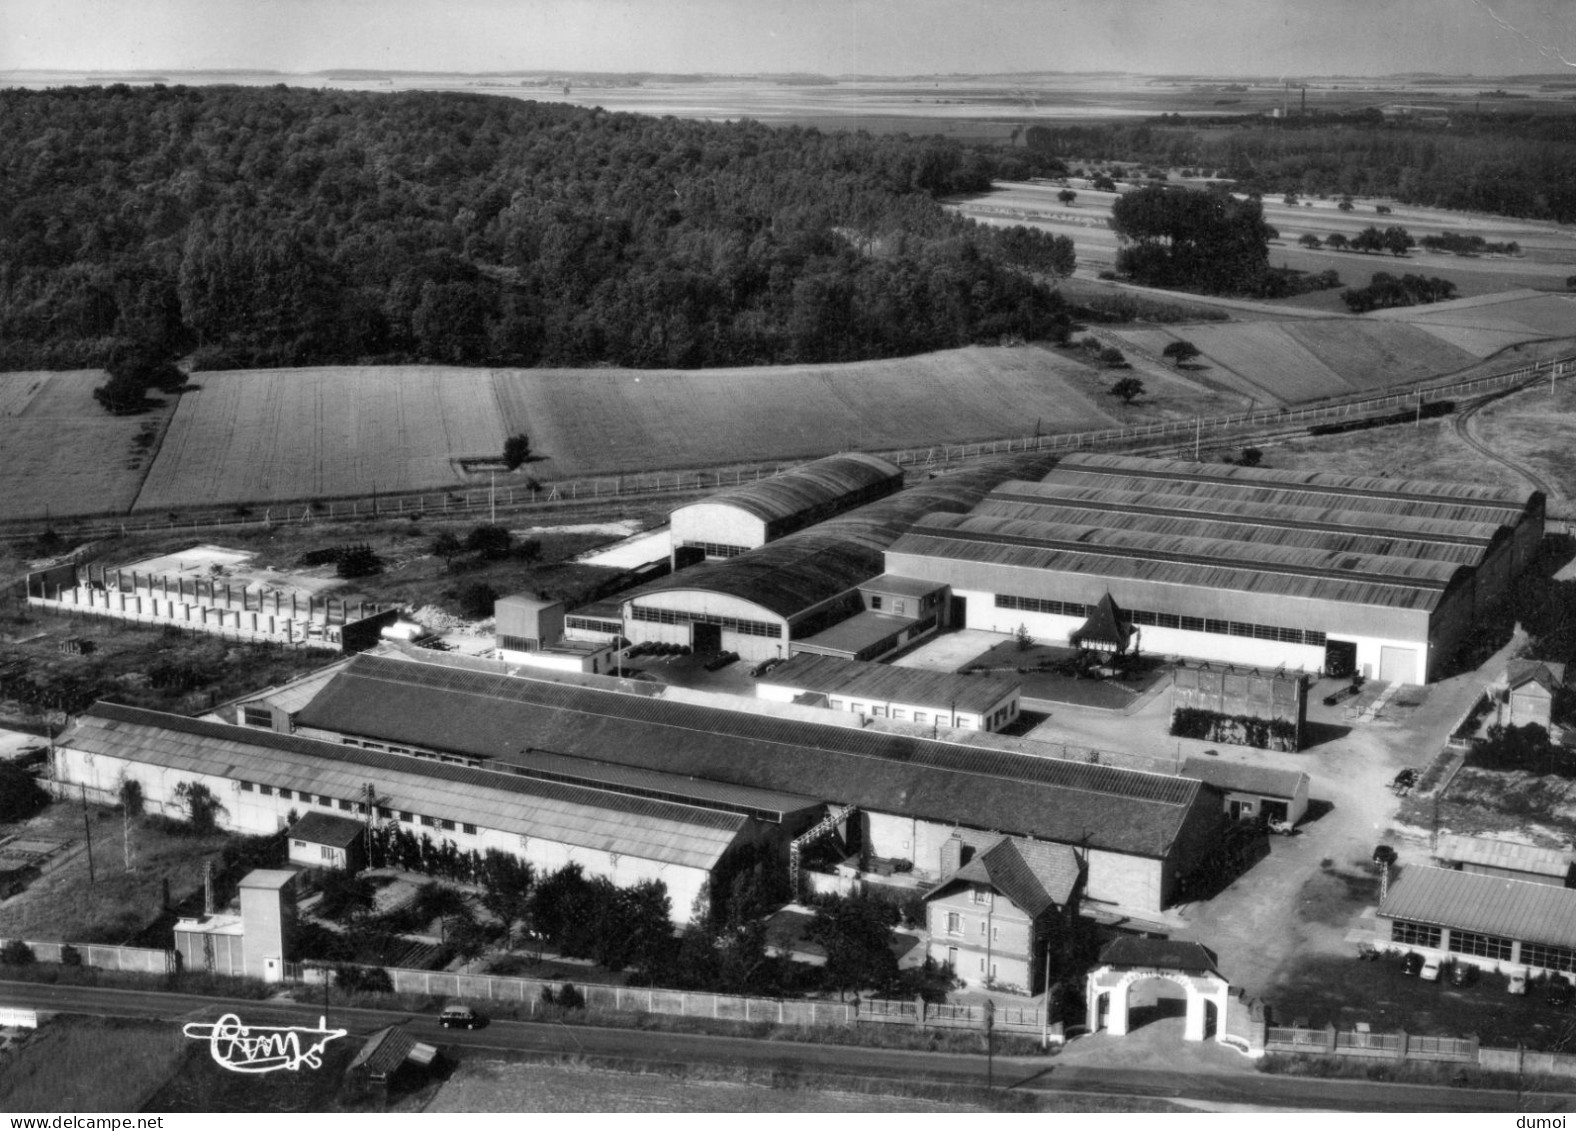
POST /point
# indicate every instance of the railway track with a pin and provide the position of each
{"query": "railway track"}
(1463, 427)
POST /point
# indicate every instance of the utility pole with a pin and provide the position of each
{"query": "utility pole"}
(87, 826)
(492, 499)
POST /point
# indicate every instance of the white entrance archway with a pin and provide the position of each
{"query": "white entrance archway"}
(1126, 962)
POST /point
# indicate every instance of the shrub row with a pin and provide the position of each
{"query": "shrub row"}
(1238, 730)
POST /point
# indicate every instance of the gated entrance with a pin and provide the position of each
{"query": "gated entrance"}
(1126, 963)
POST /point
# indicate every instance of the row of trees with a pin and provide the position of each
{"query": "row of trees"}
(1510, 164)
(1394, 239)
(280, 226)
(1386, 290)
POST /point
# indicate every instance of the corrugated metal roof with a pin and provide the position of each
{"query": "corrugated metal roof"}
(1512, 499)
(856, 633)
(384, 1051)
(797, 572)
(670, 787)
(1488, 905)
(1504, 854)
(1052, 799)
(806, 487)
(1179, 561)
(612, 822)
(1239, 777)
(1246, 529)
(831, 674)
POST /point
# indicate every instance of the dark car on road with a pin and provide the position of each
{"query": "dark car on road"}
(1403, 782)
(1412, 964)
(460, 1017)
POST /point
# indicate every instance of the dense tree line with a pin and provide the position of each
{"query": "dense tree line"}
(1510, 164)
(1385, 290)
(279, 226)
(1206, 241)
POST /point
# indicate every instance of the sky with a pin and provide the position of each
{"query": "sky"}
(833, 37)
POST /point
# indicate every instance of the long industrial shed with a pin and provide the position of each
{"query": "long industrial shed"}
(1249, 566)
(1140, 832)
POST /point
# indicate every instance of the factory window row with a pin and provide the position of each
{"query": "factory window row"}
(1484, 946)
(1548, 957)
(1414, 934)
(719, 549)
(516, 643)
(302, 795)
(1146, 617)
(430, 822)
(593, 624)
(680, 616)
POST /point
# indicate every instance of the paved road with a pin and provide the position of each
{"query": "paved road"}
(1047, 1074)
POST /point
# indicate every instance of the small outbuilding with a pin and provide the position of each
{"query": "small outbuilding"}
(385, 1055)
(1249, 791)
(1531, 687)
(882, 691)
(322, 840)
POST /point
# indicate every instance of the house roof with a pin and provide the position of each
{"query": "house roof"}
(1170, 954)
(837, 676)
(326, 828)
(467, 712)
(689, 836)
(804, 488)
(1240, 777)
(1549, 676)
(1034, 875)
(387, 1049)
(1504, 854)
(1106, 625)
(1489, 905)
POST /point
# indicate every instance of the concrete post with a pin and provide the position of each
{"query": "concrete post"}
(1329, 1038)
(1401, 1047)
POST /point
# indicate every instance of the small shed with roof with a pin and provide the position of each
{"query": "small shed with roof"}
(385, 1054)
(997, 915)
(323, 840)
(1251, 791)
(1531, 688)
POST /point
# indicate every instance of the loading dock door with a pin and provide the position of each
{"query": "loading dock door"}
(1398, 665)
(1340, 658)
(706, 639)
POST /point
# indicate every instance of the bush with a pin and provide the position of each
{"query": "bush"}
(477, 600)
(570, 998)
(20, 794)
(16, 953)
(70, 956)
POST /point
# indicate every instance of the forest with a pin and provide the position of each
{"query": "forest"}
(1511, 164)
(263, 227)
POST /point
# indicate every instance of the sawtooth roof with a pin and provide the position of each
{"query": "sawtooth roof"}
(807, 568)
(650, 829)
(1488, 905)
(486, 715)
(806, 487)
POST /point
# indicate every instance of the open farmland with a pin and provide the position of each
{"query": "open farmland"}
(62, 454)
(276, 434)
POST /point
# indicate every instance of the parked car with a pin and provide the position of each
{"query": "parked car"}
(1430, 970)
(721, 660)
(1403, 782)
(1463, 974)
(1412, 964)
(1518, 982)
(460, 1017)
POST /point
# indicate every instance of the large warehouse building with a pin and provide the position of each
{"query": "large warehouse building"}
(905, 796)
(748, 516)
(628, 828)
(766, 602)
(1250, 566)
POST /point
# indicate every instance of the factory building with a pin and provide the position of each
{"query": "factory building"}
(746, 517)
(780, 598)
(881, 691)
(1254, 567)
(901, 797)
(626, 830)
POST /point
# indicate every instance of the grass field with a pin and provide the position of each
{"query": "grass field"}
(62, 453)
(272, 434)
(81, 1064)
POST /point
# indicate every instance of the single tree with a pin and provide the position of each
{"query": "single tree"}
(506, 888)
(1024, 640)
(1346, 204)
(1337, 241)
(491, 542)
(516, 450)
(346, 898)
(20, 794)
(856, 933)
(1397, 241)
(1103, 183)
(202, 807)
(131, 797)
(1067, 196)
(448, 546)
(1128, 389)
(1113, 358)
(1310, 240)
(477, 600)
(1180, 352)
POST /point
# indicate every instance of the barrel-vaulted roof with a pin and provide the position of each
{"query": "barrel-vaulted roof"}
(808, 486)
(807, 568)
